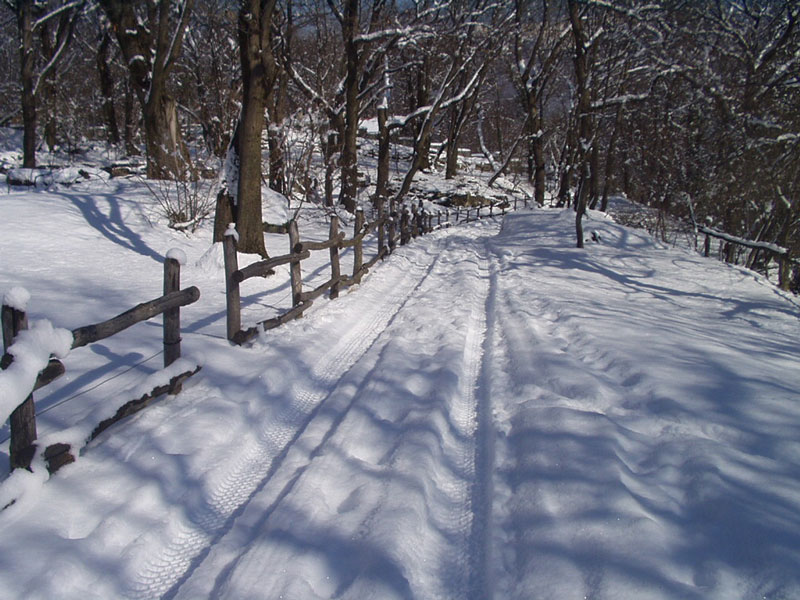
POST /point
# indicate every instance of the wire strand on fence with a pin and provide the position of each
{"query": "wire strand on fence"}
(89, 389)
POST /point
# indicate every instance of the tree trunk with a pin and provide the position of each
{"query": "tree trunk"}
(382, 184)
(25, 25)
(349, 157)
(150, 50)
(107, 89)
(167, 156)
(48, 89)
(583, 118)
(253, 40)
(423, 97)
(130, 122)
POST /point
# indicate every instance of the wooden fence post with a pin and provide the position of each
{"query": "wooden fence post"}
(404, 229)
(172, 317)
(707, 245)
(358, 248)
(232, 296)
(391, 229)
(23, 420)
(295, 271)
(784, 271)
(381, 231)
(336, 272)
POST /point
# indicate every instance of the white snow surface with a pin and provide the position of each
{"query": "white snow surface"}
(492, 413)
(17, 298)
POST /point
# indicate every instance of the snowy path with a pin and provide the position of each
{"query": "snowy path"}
(392, 446)
(491, 414)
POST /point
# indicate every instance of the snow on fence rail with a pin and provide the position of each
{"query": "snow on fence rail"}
(28, 363)
(411, 223)
(778, 253)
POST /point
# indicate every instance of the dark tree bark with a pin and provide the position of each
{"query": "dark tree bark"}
(244, 154)
(349, 156)
(103, 63)
(150, 48)
(27, 62)
(583, 117)
(33, 18)
(258, 76)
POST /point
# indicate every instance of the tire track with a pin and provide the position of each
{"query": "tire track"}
(238, 558)
(482, 493)
(189, 542)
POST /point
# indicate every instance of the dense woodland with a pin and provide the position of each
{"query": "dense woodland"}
(690, 107)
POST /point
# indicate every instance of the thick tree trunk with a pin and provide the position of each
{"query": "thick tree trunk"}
(167, 156)
(150, 50)
(249, 220)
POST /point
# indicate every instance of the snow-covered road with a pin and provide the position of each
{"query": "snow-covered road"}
(491, 414)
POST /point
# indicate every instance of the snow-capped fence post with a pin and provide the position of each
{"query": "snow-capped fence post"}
(295, 271)
(336, 271)
(232, 295)
(172, 316)
(22, 421)
(358, 248)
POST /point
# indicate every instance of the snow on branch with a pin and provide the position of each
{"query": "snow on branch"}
(57, 12)
(617, 100)
(775, 248)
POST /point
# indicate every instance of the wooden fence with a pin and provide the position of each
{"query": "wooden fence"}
(401, 226)
(23, 418)
(729, 244)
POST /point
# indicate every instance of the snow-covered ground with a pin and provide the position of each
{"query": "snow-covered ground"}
(492, 413)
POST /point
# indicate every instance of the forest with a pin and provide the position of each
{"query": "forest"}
(688, 107)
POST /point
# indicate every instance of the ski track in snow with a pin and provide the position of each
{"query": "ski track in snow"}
(272, 516)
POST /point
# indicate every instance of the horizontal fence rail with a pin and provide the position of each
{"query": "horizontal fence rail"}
(400, 226)
(22, 421)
